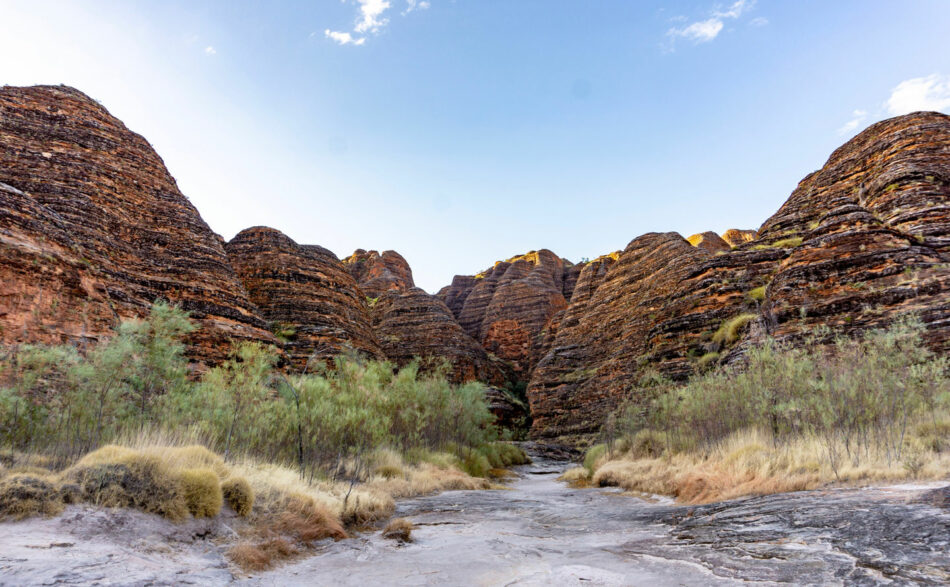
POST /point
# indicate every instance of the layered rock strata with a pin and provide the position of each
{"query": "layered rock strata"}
(507, 306)
(312, 304)
(858, 244)
(413, 324)
(377, 274)
(94, 213)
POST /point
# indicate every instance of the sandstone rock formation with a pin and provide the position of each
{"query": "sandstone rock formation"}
(95, 229)
(507, 306)
(309, 299)
(412, 324)
(859, 243)
(377, 273)
(709, 241)
(735, 237)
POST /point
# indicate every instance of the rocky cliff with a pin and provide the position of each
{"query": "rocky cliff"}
(93, 229)
(859, 243)
(377, 274)
(412, 323)
(507, 307)
(310, 301)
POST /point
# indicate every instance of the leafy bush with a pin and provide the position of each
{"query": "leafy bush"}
(56, 400)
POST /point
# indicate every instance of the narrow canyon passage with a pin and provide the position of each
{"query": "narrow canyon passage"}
(540, 532)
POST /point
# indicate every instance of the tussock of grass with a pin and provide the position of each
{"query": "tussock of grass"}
(749, 463)
(594, 456)
(728, 332)
(23, 495)
(576, 477)
(239, 496)
(757, 294)
(115, 476)
(202, 490)
(399, 529)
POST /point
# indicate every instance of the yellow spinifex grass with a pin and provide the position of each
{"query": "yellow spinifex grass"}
(748, 462)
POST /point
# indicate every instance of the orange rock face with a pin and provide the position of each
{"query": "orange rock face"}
(709, 241)
(94, 229)
(309, 299)
(377, 273)
(858, 244)
(507, 306)
(735, 237)
(412, 323)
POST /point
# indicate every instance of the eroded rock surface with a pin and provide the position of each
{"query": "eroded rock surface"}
(858, 244)
(309, 299)
(412, 324)
(540, 532)
(709, 241)
(507, 306)
(377, 274)
(95, 230)
(736, 236)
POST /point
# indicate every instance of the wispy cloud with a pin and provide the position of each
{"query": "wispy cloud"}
(343, 38)
(209, 50)
(858, 116)
(704, 31)
(920, 93)
(415, 5)
(370, 19)
(759, 21)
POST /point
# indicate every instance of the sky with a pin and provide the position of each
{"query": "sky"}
(460, 132)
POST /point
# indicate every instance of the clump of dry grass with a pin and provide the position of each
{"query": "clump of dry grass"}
(116, 476)
(23, 495)
(238, 494)
(576, 477)
(202, 491)
(260, 556)
(750, 463)
(399, 529)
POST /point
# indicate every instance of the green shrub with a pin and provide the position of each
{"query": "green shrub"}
(474, 463)
(880, 393)
(594, 454)
(757, 294)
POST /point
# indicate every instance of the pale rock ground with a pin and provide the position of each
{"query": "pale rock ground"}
(538, 532)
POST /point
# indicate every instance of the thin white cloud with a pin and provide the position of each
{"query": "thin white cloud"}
(700, 32)
(759, 21)
(412, 5)
(736, 9)
(858, 116)
(209, 50)
(371, 12)
(704, 31)
(370, 19)
(343, 38)
(920, 93)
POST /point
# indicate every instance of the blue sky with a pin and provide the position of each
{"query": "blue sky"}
(461, 132)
